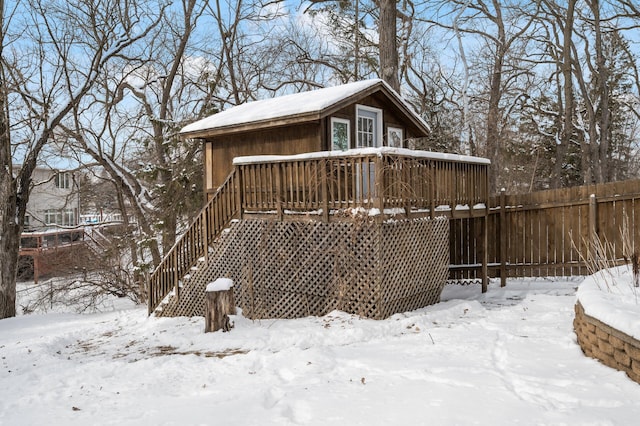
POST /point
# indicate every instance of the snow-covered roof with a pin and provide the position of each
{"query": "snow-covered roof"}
(303, 105)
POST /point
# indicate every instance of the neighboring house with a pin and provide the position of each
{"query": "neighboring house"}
(54, 200)
(365, 114)
(47, 246)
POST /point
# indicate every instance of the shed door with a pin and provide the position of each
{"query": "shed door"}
(368, 135)
(369, 127)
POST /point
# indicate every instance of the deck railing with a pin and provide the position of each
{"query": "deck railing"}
(383, 179)
(194, 243)
(386, 181)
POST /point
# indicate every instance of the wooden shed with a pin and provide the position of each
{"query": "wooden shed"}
(324, 208)
(365, 114)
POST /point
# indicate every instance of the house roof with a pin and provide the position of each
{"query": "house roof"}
(296, 108)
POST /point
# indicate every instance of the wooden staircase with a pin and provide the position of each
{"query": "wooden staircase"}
(193, 245)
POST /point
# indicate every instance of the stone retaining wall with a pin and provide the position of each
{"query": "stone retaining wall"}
(606, 344)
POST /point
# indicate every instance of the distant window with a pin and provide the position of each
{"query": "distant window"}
(394, 137)
(52, 217)
(340, 134)
(68, 218)
(26, 220)
(369, 127)
(64, 217)
(63, 180)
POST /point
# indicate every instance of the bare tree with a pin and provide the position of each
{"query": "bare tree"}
(71, 42)
(576, 43)
(350, 28)
(162, 82)
(498, 25)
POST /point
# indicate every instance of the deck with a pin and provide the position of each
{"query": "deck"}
(380, 183)
(45, 252)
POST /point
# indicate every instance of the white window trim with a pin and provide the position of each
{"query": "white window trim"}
(391, 131)
(378, 112)
(342, 121)
(63, 180)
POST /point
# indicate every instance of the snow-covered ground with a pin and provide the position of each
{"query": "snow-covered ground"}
(504, 358)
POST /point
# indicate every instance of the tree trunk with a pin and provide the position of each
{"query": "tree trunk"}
(388, 46)
(8, 273)
(602, 77)
(567, 67)
(9, 229)
(493, 142)
(493, 119)
(9, 225)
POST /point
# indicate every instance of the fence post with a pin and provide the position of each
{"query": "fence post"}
(485, 237)
(593, 218)
(503, 239)
(36, 267)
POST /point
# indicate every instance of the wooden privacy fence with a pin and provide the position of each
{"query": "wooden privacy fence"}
(548, 233)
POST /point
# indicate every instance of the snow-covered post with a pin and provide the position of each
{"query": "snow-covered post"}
(219, 304)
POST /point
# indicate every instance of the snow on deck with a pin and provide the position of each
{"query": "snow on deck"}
(253, 159)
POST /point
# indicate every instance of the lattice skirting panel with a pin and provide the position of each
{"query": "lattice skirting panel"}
(296, 269)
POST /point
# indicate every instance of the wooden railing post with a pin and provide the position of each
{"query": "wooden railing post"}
(176, 277)
(205, 235)
(503, 238)
(379, 184)
(324, 183)
(279, 208)
(239, 191)
(432, 191)
(404, 179)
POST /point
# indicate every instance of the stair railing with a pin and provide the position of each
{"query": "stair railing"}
(194, 243)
